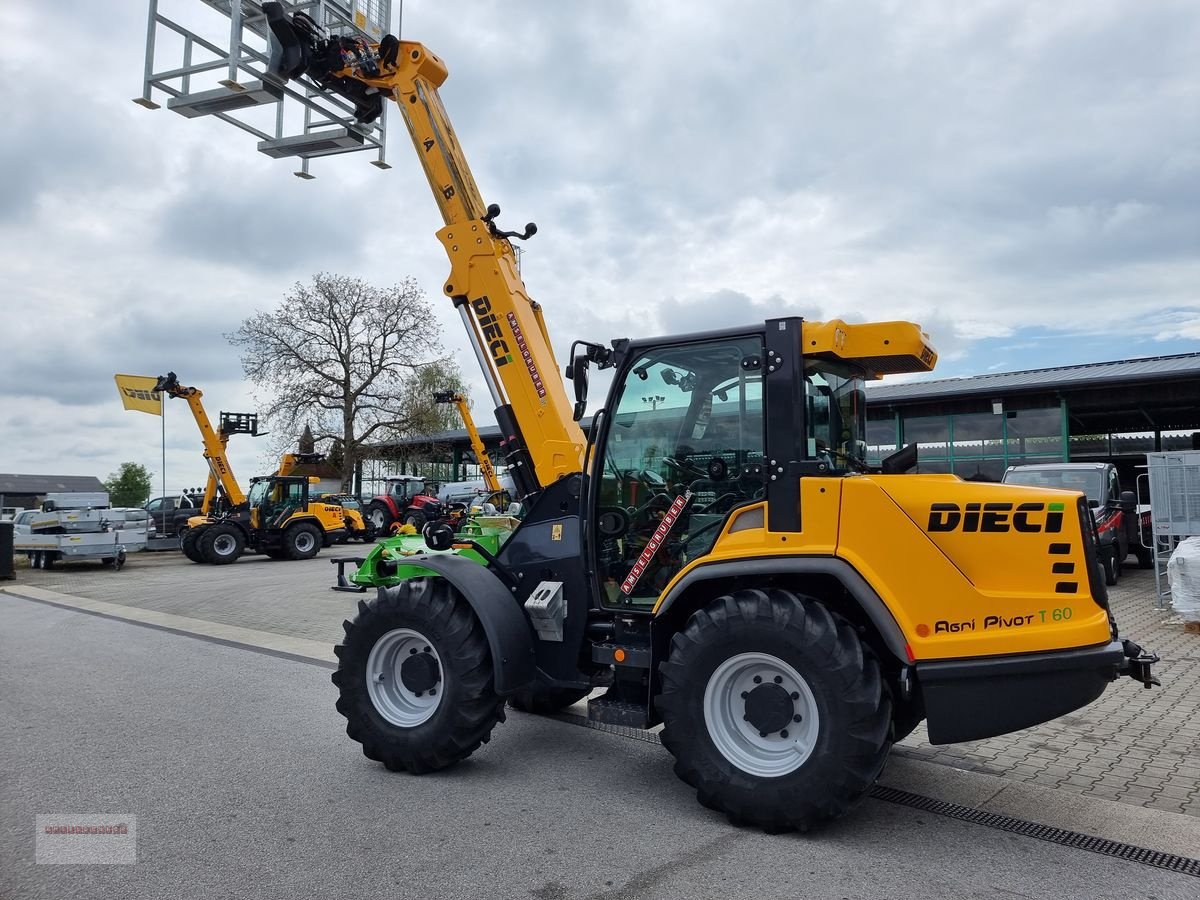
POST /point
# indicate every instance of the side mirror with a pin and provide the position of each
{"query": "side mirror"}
(1128, 502)
(903, 460)
(578, 373)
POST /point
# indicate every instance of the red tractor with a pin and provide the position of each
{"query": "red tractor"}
(405, 502)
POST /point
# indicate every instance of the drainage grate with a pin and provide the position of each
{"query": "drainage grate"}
(1169, 861)
(1182, 864)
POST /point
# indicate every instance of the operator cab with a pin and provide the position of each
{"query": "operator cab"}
(683, 444)
(276, 498)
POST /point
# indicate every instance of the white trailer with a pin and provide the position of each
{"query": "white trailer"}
(80, 527)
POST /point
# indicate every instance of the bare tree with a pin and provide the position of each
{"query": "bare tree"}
(356, 363)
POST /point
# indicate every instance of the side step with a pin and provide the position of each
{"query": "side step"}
(613, 710)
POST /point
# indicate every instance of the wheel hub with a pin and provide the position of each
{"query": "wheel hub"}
(419, 672)
(761, 714)
(404, 677)
(769, 708)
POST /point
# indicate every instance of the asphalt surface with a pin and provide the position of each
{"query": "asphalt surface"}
(244, 785)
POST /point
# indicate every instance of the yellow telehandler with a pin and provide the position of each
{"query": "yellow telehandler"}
(726, 562)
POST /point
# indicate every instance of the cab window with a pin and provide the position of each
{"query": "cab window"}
(684, 446)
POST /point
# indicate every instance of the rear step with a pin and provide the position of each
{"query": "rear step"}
(614, 710)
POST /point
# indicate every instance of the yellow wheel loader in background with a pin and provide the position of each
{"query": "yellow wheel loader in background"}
(276, 517)
(725, 562)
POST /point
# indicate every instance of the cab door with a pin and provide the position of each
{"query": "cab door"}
(682, 445)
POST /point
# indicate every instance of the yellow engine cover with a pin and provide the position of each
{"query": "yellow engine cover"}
(966, 568)
(972, 569)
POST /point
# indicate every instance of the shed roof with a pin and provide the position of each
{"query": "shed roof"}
(44, 484)
(1151, 368)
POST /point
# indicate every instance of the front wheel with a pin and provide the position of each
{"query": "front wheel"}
(190, 544)
(221, 544)
(302, 541)
(415, 519)
(774, 710)
(415, 678)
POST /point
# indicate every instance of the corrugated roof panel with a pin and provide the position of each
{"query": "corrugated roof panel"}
(41, 484)
(1149, 368)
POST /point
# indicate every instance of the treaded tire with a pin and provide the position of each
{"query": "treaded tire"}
(221, 544)
(469, 708)
(1145, 557)
(1112, 569)
(189, 543)
(295, 545)
(545, 701)
(379, 517)
(854, 709)
(415, 519)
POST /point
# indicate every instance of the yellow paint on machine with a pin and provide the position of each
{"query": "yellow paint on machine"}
(954, 592)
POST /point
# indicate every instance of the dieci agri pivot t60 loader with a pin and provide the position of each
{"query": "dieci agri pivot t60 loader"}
(721, 560)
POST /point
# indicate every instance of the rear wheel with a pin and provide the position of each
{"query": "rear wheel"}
(221, 544)
(302, 541)
(546, 700)
(1112, 568)
(380, 517)
(190, 544)
(415, 678)
(774, 710)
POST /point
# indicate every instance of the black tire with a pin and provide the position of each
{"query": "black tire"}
(416, 519)
(379, 517)
(303, 540)
(469, 708)
(853, 709)
(544, 701)
(1145, 557)
(190, 544)
(1111, 567)
(221, 544)
(49, 558)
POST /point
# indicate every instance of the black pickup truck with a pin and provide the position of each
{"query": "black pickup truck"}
(1121, 524)
(169, 514)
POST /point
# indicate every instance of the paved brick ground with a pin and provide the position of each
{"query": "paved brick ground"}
(1136, 746)
(1133, 745)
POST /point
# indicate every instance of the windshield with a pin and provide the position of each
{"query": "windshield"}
(1089, 481)
(835, 414)
(258, 492)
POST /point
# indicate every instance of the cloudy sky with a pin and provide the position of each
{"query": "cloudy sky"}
(1022, 178)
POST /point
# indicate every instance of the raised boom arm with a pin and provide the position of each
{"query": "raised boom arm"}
(504, 325)
(214, 442)
(464, 411)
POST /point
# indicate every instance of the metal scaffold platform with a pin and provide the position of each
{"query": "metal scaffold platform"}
(209, 57)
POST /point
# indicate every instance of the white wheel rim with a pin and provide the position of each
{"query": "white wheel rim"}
(741, 743)
(391, 698)
(224, 545)
(304, 541)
